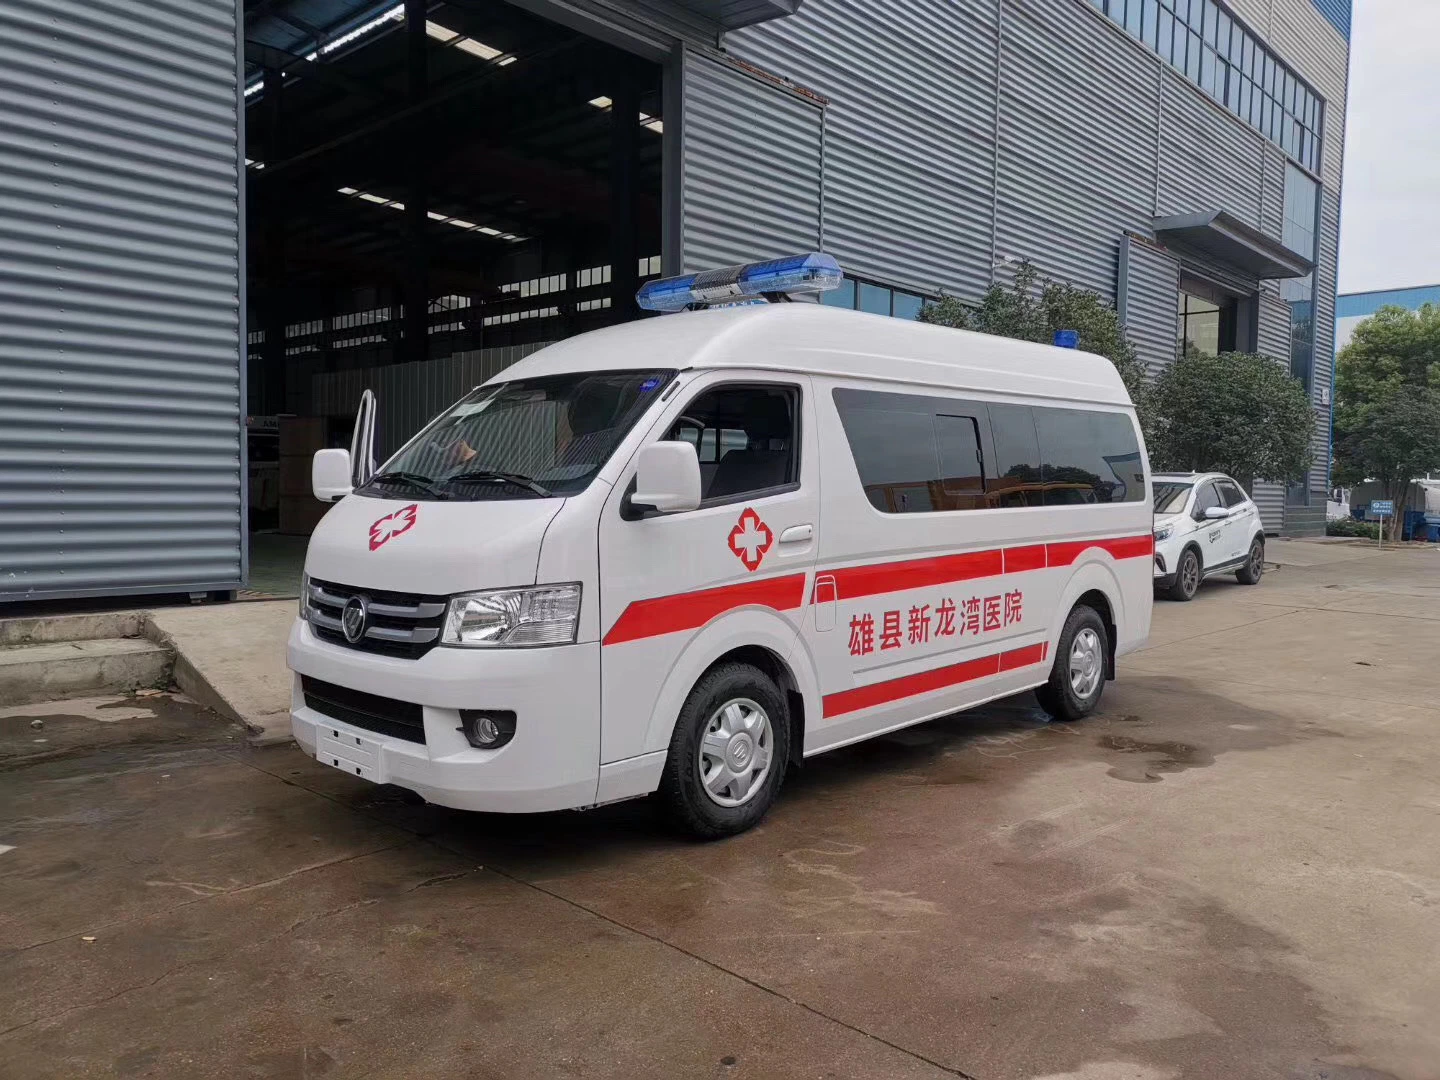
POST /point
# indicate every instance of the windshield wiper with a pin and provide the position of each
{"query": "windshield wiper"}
(414, 480)
(492, 476)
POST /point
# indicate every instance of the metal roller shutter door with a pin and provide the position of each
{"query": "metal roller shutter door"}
(120, 392)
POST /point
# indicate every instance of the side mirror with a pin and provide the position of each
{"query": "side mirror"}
(667, 478)
(330, 475)
(1216, 513)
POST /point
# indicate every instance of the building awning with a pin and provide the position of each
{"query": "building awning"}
(1227, 239)
(733, 14)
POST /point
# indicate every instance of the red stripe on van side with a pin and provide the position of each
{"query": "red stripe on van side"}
(1025, 558)
(1018, 658)
(1122, 547)
(856, 581)
(924, 682)
(686, 611)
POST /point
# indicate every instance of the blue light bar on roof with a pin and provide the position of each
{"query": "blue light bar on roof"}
(812, 273)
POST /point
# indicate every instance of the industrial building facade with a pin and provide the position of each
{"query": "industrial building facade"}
(216, 216)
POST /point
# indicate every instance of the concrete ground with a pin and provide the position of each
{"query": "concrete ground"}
(1230, 873)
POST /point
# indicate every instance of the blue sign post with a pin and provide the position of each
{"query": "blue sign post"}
(1382, 509)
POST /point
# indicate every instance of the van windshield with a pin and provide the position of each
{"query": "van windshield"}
(1170, 496)
(528, 438)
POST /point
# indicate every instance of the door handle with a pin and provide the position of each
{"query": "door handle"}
(797, 533)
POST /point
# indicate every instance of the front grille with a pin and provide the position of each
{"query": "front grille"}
(382, 715)
(399, 624)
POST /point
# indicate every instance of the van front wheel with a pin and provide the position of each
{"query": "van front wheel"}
(1077, 678)
(727, 754)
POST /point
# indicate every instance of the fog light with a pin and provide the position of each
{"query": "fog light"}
(487, 729)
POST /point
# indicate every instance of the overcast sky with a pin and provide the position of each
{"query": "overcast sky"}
(1390, 216)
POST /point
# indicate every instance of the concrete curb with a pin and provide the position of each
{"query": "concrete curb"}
(266, 730)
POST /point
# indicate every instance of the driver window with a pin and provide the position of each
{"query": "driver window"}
(744, 437)
(1205, 498)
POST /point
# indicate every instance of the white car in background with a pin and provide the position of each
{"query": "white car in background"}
(1205, 525)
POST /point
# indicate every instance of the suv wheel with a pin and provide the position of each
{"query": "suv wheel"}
(1187, 576)
(1254, 566)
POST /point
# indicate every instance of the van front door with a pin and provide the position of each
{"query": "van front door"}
(734, 571)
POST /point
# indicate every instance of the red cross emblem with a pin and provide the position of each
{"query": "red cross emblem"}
(751, 539)
(392, 525)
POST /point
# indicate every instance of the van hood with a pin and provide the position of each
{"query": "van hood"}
(434, 548)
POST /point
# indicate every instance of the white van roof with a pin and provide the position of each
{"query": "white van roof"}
(817, 340)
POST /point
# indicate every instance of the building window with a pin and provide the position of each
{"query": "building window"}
(876, 299)
(1202, 40)
(1205, 319)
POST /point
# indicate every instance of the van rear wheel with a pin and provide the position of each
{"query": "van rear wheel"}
(1077, 678)
(727, 754)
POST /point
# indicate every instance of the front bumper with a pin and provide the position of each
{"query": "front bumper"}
(1164, 578)
(552, 763)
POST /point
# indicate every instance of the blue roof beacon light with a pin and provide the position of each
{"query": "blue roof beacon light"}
(1067, 339)
(747, 283)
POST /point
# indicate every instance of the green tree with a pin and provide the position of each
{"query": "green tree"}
(1394, 348)
(1032, 308)
(1393, 438)
(1238, 413)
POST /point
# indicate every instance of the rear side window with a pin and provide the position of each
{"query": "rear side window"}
(1230, 494)
(917, 454)
(1089, 457)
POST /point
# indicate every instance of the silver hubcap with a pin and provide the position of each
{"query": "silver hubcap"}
(1190, 573)
(735, 752)
(1087, 663)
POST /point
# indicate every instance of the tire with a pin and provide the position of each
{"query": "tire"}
(1187, 576)
(743, 711)
(1085, 641)
(1254, 566)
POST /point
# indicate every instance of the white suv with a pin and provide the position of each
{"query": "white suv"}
(1205, 524)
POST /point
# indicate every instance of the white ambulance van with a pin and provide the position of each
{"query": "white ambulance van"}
(681, 555)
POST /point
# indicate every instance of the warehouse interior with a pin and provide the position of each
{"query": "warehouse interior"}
(428, 181)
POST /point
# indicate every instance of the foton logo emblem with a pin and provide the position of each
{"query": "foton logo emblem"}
(392, 525)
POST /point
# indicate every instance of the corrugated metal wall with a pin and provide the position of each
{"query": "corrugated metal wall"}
(409, 396)
(1323, 386)
(1272, 339)
(120, 397)
(1073, 176)
(909, 132)
(751, 165)
(1208, 159)
(1149, 295)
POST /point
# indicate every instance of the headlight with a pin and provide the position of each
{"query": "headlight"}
(539, 615)
(304, 597)
(1163, 533)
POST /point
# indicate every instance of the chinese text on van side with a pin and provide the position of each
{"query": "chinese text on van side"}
(924, 623)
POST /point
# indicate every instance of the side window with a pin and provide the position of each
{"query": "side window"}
(915, 454)
(1205, 498)
(745, 437)
(891, 439)
(1089, 457)
(1015, 479)
(962, 470)
(1230, 493)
